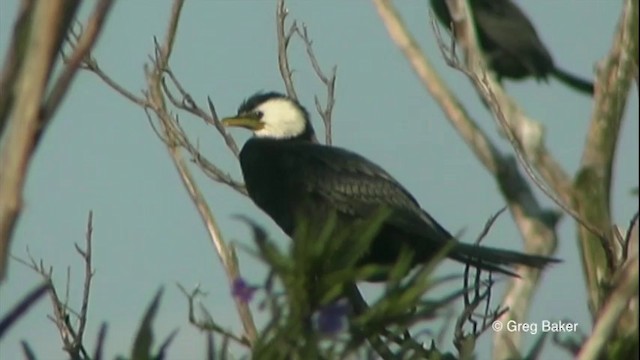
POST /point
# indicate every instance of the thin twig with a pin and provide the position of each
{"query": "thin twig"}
(593, 181)
(537, 228)
(14, 60)
(41, 46)
(612, 310)
(89, 36)
(329, 83)
(489, 86)
(188, 104)
(208, 325)
(88, 275)
(71, 339)
(283, 44)
(93, 66)
(498, 101)
(173, 137)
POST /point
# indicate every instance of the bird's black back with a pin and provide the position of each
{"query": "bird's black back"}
(289, 177)
(295, 178)
(507, 37)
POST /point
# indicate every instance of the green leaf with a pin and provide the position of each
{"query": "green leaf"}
(144, 338)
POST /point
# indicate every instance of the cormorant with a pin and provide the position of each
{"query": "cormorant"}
(286, 174)
(510, 42)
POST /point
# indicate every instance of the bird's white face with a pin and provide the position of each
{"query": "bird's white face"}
(281, 119)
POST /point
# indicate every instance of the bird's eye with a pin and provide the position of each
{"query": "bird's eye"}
(258, 114)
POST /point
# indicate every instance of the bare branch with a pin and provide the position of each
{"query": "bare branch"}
(487, 226)
(84, 45)
(535, 224)
(71, 339)
(461, 340)
(173, 137)
(612, 310)
(329, 83)
(92, 66)
(208, 324)
(88, 275)
(524, 134)
(189, 105)
(283, 44)
(41, 45)
(14, 60)
(593, 180)
(228, 139)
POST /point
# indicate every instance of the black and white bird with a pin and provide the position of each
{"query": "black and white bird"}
(286, 175)
(510, 43)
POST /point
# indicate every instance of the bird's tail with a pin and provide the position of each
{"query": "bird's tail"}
(573, 81)
(493, 259)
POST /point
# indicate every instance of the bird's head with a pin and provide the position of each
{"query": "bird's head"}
(272, 115)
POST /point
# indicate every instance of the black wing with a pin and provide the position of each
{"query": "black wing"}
(355, 186)
(505, 30)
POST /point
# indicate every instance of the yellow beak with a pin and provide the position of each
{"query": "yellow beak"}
(244, 122)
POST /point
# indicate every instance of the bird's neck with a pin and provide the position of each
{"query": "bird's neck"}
(307, 136)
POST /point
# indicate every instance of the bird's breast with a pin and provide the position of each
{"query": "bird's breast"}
(267, 181)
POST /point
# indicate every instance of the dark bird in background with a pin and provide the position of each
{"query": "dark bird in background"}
(510, 43)
(286, 174)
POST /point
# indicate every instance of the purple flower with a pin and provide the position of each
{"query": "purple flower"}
(242, 291)
(330, 318)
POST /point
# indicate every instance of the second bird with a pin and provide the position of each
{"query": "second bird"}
(510, 43)
(287, 175)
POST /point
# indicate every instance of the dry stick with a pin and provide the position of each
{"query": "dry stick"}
(553, 174)
(71, 339)
(488, 88)
(212, 171)
(84, 45)
(594, 180)
(154, 79)
(283, 44)
(497, 99)
(29, 118)
(329, 83)
(208, 325)
(188, 104)
(470, 305)
(612, 311)
(284, 40)
(88, 271)
(518, 296)
(537, 230)
(92, 65)
(20, 135)
(14, 59)
(228, 139)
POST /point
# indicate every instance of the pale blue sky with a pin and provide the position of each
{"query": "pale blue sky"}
(101, 154)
